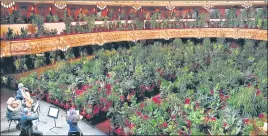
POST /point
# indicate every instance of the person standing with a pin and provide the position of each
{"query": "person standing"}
(26, 124)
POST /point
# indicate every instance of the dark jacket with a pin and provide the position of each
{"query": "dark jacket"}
(19, 95)
(26, 122)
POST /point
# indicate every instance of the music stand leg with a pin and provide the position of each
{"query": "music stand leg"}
(54, 126)
(38, 111)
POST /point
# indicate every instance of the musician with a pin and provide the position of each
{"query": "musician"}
(13, 109)
(72, 120)
(27, 124)
(24, 96)
(19, 95)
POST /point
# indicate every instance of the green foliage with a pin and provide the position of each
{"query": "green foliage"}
(265, 24)
(39, 61)
(182, 72)
(30, 81)
(38, 20)
(231, 17)
(12, 18)
(90, 22)
(201, 20)
(24, 32)
(49, 18)
(9, 34)
(20, 63)
(55, 18)
(248, 102)
(215, 14)
(67, 21)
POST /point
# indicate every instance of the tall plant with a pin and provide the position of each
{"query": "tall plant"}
(38, 21)
(67, 21)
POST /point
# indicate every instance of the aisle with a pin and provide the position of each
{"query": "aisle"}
(44, 127)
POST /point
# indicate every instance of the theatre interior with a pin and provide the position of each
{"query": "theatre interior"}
(139, 67)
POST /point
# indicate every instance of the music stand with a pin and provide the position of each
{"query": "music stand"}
(53, 112)
(37, 110)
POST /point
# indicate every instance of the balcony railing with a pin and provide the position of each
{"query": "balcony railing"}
(45, 44)
(55, 29)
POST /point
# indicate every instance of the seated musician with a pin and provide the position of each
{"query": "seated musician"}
(19, 95)
(72, 120)
(13, 109)
(27, 124)
(24, 96)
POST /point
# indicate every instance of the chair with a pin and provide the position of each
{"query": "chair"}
(10, 122)
(74, 133)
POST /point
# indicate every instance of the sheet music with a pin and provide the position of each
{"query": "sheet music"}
(53, 112)
(77, 112)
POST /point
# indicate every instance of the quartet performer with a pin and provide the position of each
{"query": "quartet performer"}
(26, 124)
(72, 119)
(13, 108)
(19, 108)
(24, 96)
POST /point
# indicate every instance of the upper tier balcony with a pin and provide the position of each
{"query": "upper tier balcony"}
(59, 31)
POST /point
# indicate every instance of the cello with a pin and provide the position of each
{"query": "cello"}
(27, 97)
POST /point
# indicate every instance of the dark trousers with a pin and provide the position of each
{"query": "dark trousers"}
(30, 132)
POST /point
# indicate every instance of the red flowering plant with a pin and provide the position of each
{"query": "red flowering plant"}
(116, 114)
(151, 120)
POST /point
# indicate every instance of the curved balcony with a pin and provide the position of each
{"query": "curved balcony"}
(156, 3)
(34, 46)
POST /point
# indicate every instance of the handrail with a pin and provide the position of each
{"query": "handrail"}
(143, 3)
(60, 26)
(46, 44)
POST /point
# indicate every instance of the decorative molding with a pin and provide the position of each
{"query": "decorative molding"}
(144, 3)
(35, 46)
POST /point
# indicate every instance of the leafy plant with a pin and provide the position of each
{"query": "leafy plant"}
(38, 21)
(30, 81)
(67, 21)
(49, 18)
(90, 22)
(24, 32)
(9, 34)
(55, 18)
(39, 61)
(201, 20)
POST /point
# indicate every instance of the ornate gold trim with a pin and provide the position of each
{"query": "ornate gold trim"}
(34, 46)
(156, 3)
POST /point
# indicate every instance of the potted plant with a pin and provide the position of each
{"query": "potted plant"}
(49, 18)
(38, 21)
(55, 18)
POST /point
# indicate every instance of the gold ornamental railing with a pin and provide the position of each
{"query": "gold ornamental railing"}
(35, 46)
(156, 3)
